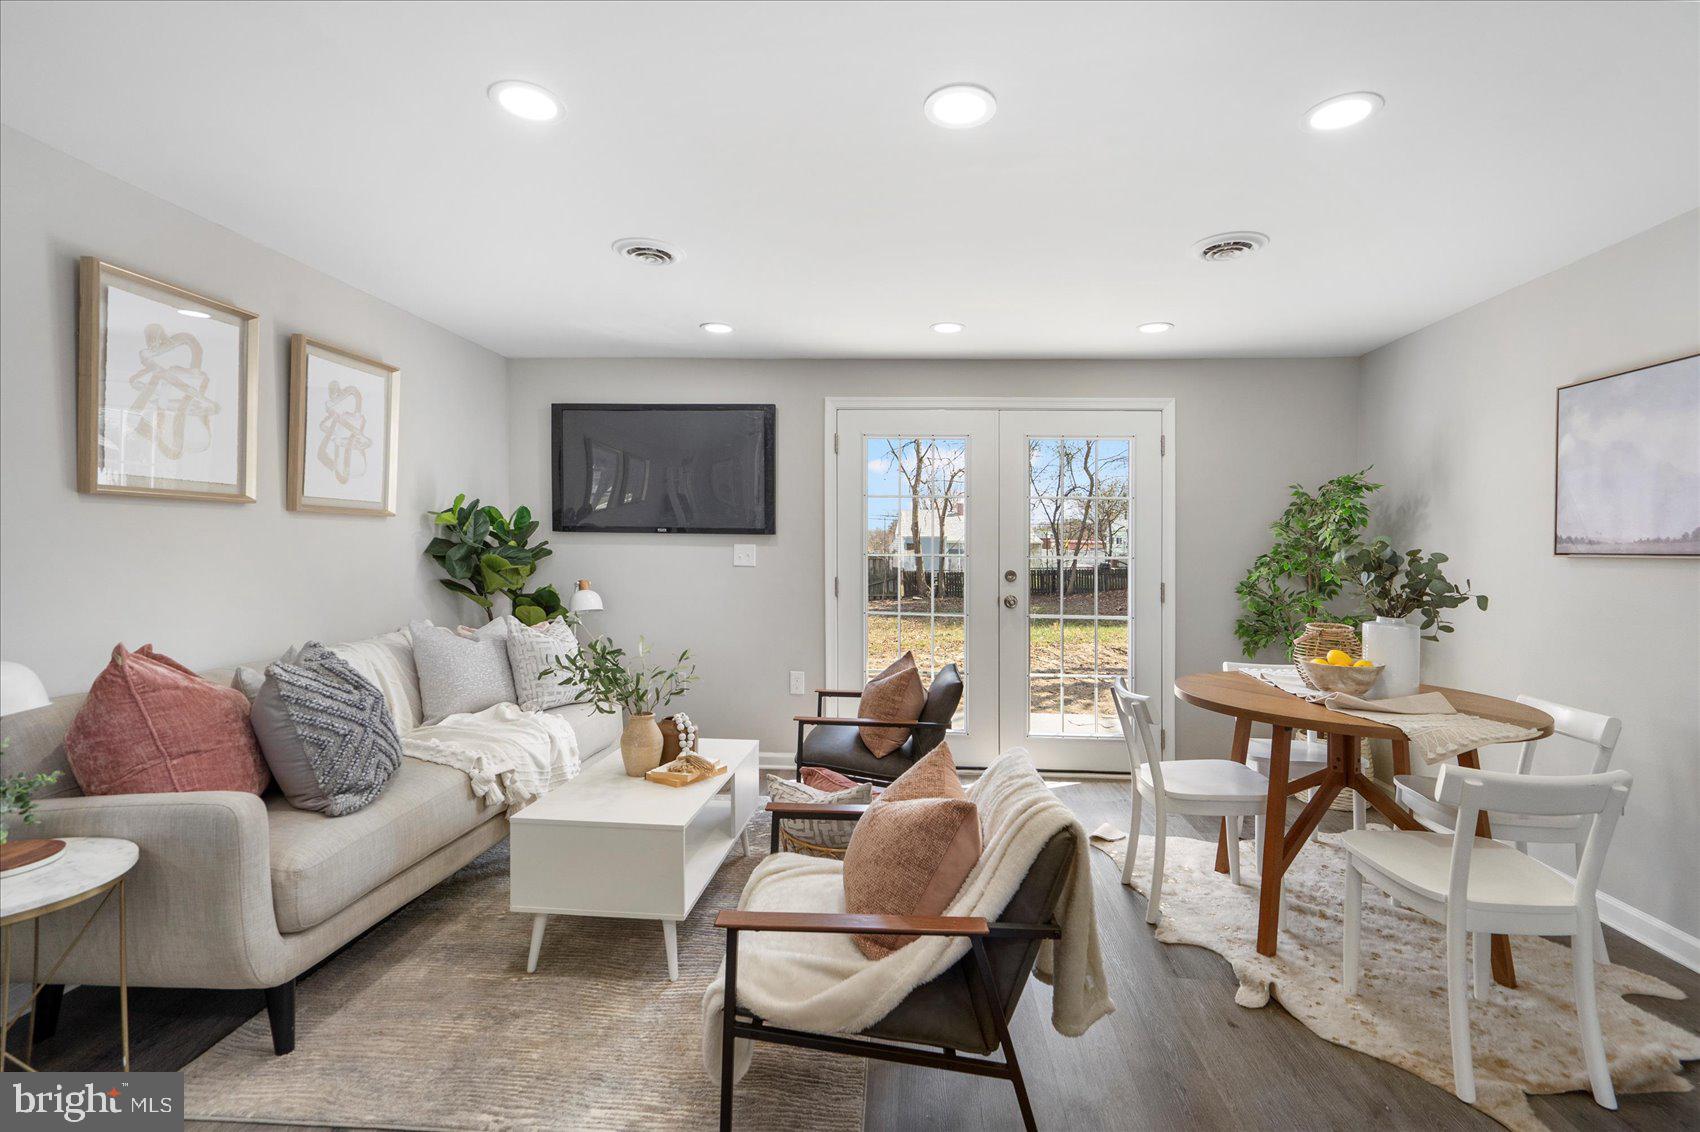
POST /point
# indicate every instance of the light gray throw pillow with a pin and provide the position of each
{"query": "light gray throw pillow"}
(325, 731)
(531, 649)
(459, 674)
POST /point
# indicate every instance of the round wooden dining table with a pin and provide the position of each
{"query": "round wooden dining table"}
(1251, 701)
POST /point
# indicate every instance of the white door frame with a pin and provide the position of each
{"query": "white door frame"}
(1164, 405)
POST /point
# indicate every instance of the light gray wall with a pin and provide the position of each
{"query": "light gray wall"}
(206, 582)
(1459, 421)
(1246, 430)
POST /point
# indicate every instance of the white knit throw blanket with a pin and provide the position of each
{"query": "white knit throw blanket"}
(821, 983)
(512, 756)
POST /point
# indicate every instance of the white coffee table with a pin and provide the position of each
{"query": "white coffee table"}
(606, 844)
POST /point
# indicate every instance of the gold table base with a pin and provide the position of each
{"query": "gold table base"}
(38, 984)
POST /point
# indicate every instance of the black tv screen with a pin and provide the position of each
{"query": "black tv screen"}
(663, 468)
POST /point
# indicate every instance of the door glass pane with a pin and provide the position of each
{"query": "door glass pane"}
(915, 493)
(1079, 505)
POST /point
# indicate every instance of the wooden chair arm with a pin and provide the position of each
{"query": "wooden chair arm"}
(847, 812)
(841, 721)
(843, 694)
(845, 924)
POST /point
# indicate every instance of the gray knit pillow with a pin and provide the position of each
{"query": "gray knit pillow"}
(325, 732)
(459, 674)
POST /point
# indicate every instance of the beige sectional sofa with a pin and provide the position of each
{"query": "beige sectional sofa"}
(233, 890)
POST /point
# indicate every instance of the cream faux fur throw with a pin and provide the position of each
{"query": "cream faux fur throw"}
(823, 984)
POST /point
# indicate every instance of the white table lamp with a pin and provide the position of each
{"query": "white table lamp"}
(584, 599)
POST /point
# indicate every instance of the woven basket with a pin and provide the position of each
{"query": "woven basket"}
(1318, 639)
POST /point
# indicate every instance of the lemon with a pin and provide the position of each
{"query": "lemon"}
(1338, 656)
(1363, 664)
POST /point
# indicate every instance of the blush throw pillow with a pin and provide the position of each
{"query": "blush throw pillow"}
(912, 850)
(151, 726)
(326, 732)
(531, 649)
(826, 780)
(459, 674)
(895, 693)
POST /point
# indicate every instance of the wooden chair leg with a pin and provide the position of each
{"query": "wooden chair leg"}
(1160, 843)
(1132, 836)
(1458, 1014)
(1601, 955)
(1588, 1014)
(984, 967)
(1481, 965)
(280, 1011)
(1351, 952)
(1232, 826)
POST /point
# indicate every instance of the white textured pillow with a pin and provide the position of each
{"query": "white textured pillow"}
(387, 661)
(531, 649)
(826, 832)
(460, 674)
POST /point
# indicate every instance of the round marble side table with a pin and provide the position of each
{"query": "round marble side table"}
(90, 867)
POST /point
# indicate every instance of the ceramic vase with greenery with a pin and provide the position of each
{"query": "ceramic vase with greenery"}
(1395, 587)
(1294, 581)
(610, 681)
(488, 555)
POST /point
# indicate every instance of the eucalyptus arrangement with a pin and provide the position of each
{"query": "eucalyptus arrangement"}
(1395, 586)
(610, 680)
(1293, 582)
(485, 553)
(16, 794)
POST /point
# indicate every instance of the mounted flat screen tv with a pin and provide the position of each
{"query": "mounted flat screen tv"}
(663, 469)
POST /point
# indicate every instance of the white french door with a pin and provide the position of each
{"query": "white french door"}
(1022, 545)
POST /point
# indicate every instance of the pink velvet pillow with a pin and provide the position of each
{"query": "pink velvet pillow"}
(829, 780)
(150, 726)
(912, 850)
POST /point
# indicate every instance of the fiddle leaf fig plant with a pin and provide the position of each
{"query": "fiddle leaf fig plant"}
(1294, 581)
(608, 680)
(1398, 585)
(485, 553)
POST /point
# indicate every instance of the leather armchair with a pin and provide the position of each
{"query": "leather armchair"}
(835, 742)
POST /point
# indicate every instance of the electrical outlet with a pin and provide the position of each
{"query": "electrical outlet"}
(797, 682)
(744, 554)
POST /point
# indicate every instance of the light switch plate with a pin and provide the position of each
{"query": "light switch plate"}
(744, 554)
(797, 682)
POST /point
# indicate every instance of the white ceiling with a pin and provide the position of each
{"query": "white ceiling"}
(782, 147)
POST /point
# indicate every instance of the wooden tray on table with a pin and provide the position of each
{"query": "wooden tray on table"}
(676, 773)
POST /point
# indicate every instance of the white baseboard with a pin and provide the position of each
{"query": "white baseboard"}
(777, 761)
(1668, 940)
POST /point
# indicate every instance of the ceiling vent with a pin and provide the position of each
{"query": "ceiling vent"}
(1229, 246)
(652, 253)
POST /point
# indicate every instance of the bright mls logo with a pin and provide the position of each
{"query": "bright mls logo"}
(140, 1102)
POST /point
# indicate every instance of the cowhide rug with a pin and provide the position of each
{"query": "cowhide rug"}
(1524, 1040)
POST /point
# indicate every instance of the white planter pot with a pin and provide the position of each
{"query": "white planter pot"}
(1397, 645)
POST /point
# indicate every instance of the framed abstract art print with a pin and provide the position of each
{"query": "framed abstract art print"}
(1628, 476)
(166, 389)
(344, 428)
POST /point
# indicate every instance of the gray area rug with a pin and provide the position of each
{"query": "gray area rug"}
(1524, 1039)
(429, 1021)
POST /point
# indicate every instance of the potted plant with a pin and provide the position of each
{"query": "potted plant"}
(16, 797)
(487, 555)
(1292, 583)
(1394, 587)
(610, 682)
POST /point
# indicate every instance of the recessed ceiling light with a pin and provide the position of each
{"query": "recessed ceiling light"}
(1155, 327)
(947, 328)
(716, 327)
(526, 100)
(960, 106)
(1343, 110)
(194, 314)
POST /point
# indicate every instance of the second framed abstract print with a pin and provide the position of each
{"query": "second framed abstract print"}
(344, 429)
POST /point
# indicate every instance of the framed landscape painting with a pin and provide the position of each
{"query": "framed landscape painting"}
(1628, 481)
(344, 427)
(166, 387)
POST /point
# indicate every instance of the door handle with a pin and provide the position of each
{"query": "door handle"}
(1009, 602)
(1010, 575)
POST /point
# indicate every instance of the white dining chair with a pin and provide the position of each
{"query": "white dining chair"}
(1218, 788)
(1416, 792)
(1478, 887)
